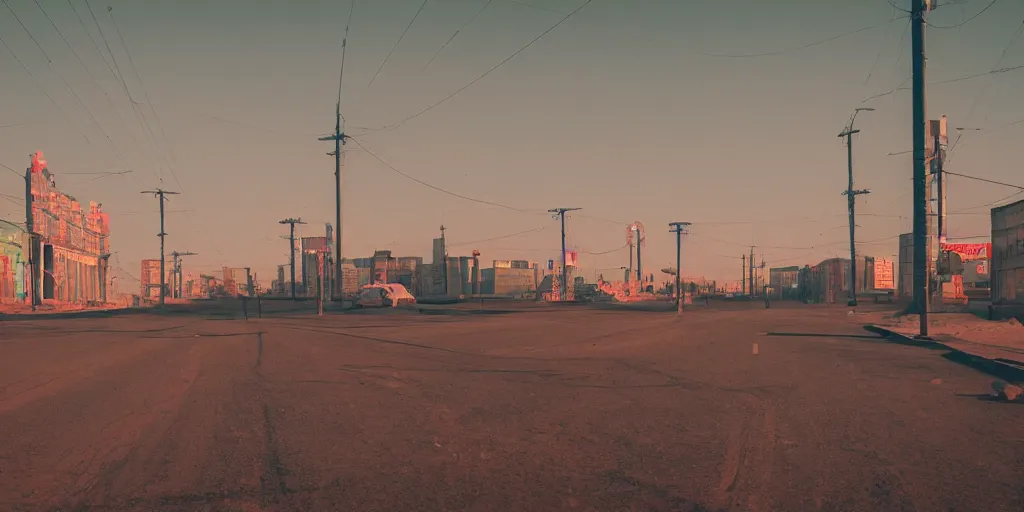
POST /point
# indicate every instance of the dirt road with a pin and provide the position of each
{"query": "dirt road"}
(556, 409)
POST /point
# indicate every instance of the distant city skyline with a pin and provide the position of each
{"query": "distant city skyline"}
(654, 111)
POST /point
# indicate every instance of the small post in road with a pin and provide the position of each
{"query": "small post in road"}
(680, 229)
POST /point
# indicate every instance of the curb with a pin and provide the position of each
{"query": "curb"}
(1004, 369)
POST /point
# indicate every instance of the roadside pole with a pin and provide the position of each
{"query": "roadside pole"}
(680, 229)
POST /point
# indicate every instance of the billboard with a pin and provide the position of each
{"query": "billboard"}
(884, 274)
(970, 252)
(512, 264)
(315, 244)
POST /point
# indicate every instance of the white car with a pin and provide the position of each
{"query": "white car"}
(384, 295)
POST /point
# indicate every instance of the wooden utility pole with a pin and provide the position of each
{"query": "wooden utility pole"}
(320, 293)
(743, 273)
(34, 250)
(680, 229)
(917, 51)
(750, 268)
(851, 202)
(444, 262)
(162, 195)
(291, 246)
(560, 212)
(339, 140)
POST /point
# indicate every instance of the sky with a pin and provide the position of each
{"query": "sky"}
(723, 114)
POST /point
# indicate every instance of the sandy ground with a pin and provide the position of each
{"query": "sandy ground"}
(572, 408)
(964, 331)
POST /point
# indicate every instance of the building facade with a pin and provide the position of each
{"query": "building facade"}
(784, 282)
(13, 262)
(68, 247)
(508, 281)
(1007, 268)
(150, 278)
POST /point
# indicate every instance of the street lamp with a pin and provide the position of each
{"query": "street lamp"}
(851, 195)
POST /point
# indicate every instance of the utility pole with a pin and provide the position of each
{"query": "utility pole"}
(34, 250)
(851, 201)
(560, 212)
(291, 246)
(764, 280)
(750, 267)
(176, 268)
(162, 195)
(444, 261)
(339, 140)
(680, 229)
(939, 133)
(743, 273)
(917, 50)
(320, 293)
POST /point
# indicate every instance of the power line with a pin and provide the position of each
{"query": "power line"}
(439, 189)
(450, 39)
(610, 221)
(16, 173)
(898, 8)
(344, 47)
(85, 67)
(119, 77)
(801, 47)
(901, 87)
(145, 96)
(621, 247)
(489, 71)
(393, 48)
(966, 21)
(12, 198)
(986, 205)
(988, 86)
(39, 83)
(985, 180)
(502, 237)
(92, 77)
(885, 40)
(95, 44)
(67, 86)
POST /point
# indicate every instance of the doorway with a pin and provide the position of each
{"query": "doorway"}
(48, 283)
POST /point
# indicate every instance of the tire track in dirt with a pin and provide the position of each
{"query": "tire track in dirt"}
(748, 461)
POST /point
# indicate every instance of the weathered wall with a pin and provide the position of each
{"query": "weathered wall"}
(13, 260)
(506, 281)
(1007, 276)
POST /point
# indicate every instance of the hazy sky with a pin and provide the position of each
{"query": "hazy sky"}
(644, 110)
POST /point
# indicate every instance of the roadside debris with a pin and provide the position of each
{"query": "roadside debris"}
(1008, 392)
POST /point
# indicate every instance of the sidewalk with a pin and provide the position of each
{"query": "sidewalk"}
(1001, 341)
(11, 311)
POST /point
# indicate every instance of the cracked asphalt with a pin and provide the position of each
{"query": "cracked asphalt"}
(573, 408)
